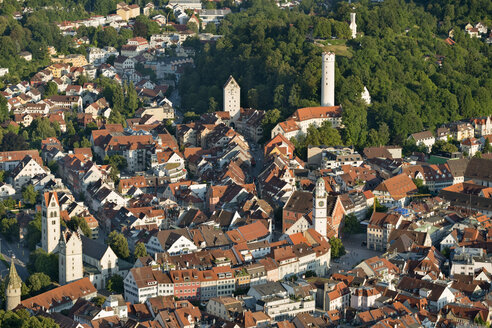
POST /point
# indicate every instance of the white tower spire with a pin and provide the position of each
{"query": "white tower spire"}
(319, 200)
(50, 222)
(328, 79)
(353, 25)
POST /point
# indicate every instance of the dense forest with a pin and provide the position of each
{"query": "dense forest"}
(415, 78)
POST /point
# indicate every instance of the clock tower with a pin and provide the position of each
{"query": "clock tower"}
(319, 208)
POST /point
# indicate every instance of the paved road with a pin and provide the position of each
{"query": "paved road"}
(21, 258)
(258, 156)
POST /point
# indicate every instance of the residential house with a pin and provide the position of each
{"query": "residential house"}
(143, 283)
(470, 146)
(25, 171)
(425, 138)
(438, 295)
(395, 191)
(379, 229)
(298, 123)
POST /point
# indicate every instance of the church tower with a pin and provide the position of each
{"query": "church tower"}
(13, 290)
(50, 222)
(328, 79)
(319, 208)
(353, 25)
(232, 98)
(70, 265)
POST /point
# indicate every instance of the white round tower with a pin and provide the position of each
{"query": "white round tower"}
(353, 25)
(328, 79)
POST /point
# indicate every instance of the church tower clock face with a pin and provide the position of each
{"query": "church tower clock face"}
(321, 203)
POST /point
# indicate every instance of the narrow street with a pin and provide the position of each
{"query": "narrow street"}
(21, 258)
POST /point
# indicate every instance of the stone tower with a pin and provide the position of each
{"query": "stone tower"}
(353, 25)
(328, 79)
(319, 208)
(232, 98)
(70, 265)
(50, 222)
(13, 290)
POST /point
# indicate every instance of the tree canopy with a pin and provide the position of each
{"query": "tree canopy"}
(118, 244)
(416, 80)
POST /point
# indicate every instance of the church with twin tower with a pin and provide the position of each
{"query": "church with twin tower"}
(68, 244)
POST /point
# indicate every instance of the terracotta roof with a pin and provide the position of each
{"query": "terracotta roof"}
(303, 114)
(253, 231)
(398, 186)
(289, 125)
(70, 292)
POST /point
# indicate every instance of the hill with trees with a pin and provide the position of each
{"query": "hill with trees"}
(416, 79)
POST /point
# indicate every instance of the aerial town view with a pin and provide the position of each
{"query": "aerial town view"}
(245, 163)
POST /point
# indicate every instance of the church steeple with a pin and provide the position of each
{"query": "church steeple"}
(14, 285)
(319, 204)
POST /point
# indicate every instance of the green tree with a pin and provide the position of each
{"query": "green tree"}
(190, 117)
(118, 244)
(41, 128)
(131, 100)
(140, 250)
(269, 121)
(40, 261)
(355, 120)
(322, 28)
(98, 300)
(210, 28)
(79, 222)
(4, 110)
(9, 228)
(442, 146)
(38, 283)
(117, 161)
(51, 89)
(337, 248)
(34, 232)
(115, 284)
(12, 141)
(253, 98)
(85, 143)
(104, 7)
(212, 103)
(115, 117)
(29, 195)
(487, 148)
(352, 225)
(22, 318)
(145, 27)
(191, 25)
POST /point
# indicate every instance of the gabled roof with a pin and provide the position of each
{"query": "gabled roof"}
(307, 113)
(64, 294)
(480, 169)
(93, 248)
(398, 186)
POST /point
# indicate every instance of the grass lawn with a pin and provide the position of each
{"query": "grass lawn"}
(337, 46)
